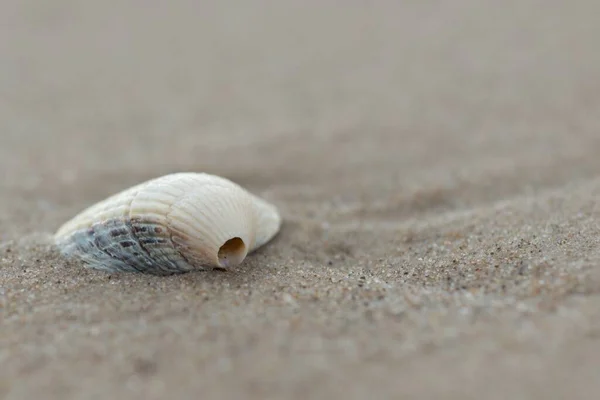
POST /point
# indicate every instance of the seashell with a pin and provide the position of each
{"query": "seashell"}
(172, 224)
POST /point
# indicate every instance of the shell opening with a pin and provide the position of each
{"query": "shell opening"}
(232, 252)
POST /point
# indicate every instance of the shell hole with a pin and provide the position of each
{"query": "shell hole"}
(232, 252)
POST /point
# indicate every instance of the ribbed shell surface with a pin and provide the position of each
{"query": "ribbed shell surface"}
(171, 224)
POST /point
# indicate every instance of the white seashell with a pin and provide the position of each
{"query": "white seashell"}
(172, 224)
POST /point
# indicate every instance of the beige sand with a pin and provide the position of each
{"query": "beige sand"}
(437, 165)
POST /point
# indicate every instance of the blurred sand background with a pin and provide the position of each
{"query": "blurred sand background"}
(437, 165)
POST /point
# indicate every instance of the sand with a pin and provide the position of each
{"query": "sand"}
(436, 165)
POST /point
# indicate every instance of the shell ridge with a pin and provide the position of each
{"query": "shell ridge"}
(133, 253)
(104, 245)
(82, 244)
(148, 258)
(160, 257)
(133, 261)
(159, 252)
(239, 208)
(176, 246)
(204, 222)
(203, 218)
(211, 219)
(96, 244)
